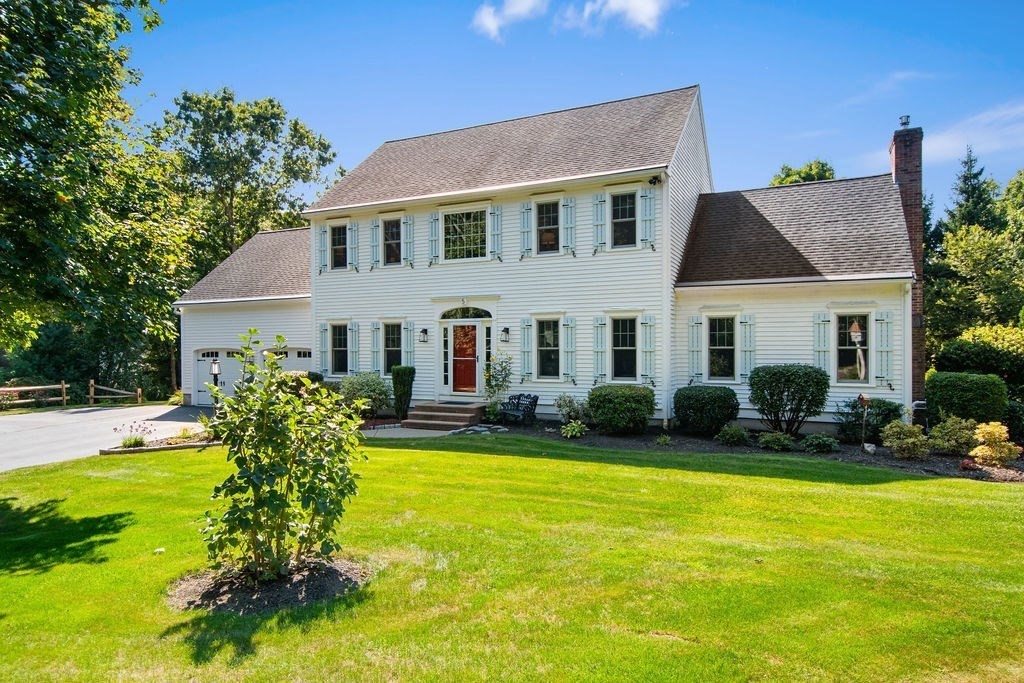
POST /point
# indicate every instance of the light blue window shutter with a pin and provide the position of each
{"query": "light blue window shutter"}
(823, 341)
(600, 241)
(695, 347)
(322, 241)
(569, 346)
(496, 232)
(648, 348)
(525, 230)
(600, 354)
(374, 243)
(569, 225)
(647, 197)
(525, 349)
(353, 246)
(435, 238)
(408, 350)
(409, 238)
(748, 345)
(353, 348)
(375, 347)
(883, 342)
(324, 341)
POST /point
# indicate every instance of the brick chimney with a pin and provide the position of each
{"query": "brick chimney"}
(905, 159)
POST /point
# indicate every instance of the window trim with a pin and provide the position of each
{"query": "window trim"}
(611, 379)
(402, 256)
(706, 346)
(870, 312)
(558, 320)
(557, 199)
(331, 225)
(331, 324)
(465, 208)
(614, 190)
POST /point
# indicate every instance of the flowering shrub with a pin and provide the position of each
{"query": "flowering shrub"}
(134, 435)
(995, 449)
(497, 376)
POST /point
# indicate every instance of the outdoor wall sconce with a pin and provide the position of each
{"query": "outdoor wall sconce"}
(423, 336)
(504, 335)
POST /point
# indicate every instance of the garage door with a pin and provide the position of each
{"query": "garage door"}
(295, 359)
(230, 373)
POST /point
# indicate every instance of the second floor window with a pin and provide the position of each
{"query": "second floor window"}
(547, 227)
(722, 348)
(624, 348)
(339, 349)
(465, 235)
(392, 241)
(392, 346)
(339, 246)
(547, 349)
(624, 220)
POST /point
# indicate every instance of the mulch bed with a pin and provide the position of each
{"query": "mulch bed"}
(935, 465)
(317, 581)
(178, 441)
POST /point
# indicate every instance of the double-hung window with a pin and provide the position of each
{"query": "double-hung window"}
(339, 246)
(624, 219)
(392, 346)
(339, 349)
(722, 348)
(465, 235)
(392, 228)
(623, 348)
(548, 360)
(852, 348)
(547, 228)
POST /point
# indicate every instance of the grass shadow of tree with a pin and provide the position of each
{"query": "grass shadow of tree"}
(37, 538)
(210, 633)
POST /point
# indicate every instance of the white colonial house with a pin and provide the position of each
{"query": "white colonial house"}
(587, 244)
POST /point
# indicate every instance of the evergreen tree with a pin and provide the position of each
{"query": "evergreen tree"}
(974, 198)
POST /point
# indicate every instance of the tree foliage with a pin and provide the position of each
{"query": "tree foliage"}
(1011, 203)
(815, 169)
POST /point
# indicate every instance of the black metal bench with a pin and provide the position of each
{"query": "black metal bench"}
(519, 408)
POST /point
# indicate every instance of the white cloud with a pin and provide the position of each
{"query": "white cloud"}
(890, 83)
(644, 15)
(490, 20)
(997, 129)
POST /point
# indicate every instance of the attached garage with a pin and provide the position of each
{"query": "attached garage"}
(263, 285)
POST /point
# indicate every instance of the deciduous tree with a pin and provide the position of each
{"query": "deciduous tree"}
(811, 171)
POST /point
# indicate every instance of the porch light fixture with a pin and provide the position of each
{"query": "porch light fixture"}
(423, 336)
(505, 335)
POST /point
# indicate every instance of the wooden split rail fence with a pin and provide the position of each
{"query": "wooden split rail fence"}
(113, 393)
(37, 394)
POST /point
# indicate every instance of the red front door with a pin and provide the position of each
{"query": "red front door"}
(464, 358)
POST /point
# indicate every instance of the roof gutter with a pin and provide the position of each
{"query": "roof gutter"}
(866, 277)
(489, 189)
(283, 297)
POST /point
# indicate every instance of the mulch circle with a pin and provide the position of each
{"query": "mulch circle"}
(316, 581)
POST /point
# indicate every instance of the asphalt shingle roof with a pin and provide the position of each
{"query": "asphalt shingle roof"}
(639, 132)
(829, 228)
(271, 264)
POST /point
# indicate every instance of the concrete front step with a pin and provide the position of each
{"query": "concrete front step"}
(444, 415)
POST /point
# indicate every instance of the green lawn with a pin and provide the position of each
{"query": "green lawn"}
(517, 558)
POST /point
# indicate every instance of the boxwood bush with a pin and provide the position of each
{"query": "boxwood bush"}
(982, 398)
(786, 395)
(988, 349)
(849, 416)
(621, 408)
(704, 410)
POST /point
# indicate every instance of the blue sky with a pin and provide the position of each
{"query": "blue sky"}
(781, 82)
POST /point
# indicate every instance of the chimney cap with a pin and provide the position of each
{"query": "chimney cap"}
(905, 121)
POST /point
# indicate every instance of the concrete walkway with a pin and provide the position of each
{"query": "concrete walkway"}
(402, 433)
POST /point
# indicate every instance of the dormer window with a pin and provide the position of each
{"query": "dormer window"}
(624, 220)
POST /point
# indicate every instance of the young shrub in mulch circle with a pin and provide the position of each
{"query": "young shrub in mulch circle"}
(953, 436)
(776, 441)
(982, 398)
(818, 443)
(994, 449)
(849, 417)
(733, 435)
(402, 377)
(786, 395)
(704, 410)
(621, 408)
(293, 455)
(906, 442)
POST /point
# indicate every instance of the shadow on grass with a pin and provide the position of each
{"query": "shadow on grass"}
(37, 538)
(209, 633)
(778, 466)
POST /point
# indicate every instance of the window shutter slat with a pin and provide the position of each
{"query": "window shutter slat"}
(323, 248)
(748, 345)
(525, 349)
(647, 217)
(409, 238)
(324, 343)
(435, 238)
(496, 232)
(408, 350)
(884, 343)
(569, 344)
(600, 241)
(695, 348)
(374, 243)
(353, 246)
(375, 347)
(600, 354)
(525, 230)
(648, 355)
(353, 348)
(569, 226)
(823, 341)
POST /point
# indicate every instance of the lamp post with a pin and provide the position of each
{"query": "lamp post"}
(215, 374)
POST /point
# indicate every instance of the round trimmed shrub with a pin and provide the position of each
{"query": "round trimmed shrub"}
(818, 443)
(953, 436)
(786, 395)
(704, 410)
(982, 398)
(906, 442)
(733, 435)
(849, 417)
(776, 441)
(621, 408)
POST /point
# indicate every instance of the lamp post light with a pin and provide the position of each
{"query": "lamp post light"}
(215, 374)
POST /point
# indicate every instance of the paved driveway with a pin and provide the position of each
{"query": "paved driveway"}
(37, 438)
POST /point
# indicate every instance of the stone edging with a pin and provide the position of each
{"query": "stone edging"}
(154, 449)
